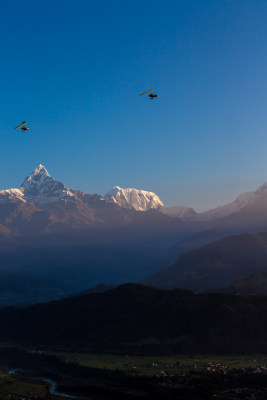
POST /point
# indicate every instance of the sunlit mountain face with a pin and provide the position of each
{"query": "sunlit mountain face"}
(42, 189)
(43, 208)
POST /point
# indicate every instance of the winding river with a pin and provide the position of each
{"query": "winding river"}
(52, 384)
(52, 388)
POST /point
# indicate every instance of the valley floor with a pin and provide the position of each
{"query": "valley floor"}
(155, 365)
(102, 377)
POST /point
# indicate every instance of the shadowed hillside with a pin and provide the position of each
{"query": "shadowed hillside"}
(255, 283)
(139, 319)
(217, 264)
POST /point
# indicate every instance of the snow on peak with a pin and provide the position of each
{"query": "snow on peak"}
(40, 170)
(140, 200)
(11, 196)
(40, 187)
(39, 174)
(241, 201)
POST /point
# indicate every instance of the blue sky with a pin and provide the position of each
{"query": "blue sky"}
(74, 70)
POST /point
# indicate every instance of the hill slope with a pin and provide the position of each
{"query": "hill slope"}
(217, 264)
(255, 283)
(139, 319)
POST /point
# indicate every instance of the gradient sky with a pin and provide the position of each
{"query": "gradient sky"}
(75, 68)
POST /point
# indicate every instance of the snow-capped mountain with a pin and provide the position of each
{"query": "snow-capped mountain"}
(139, 200)
(39, 187)
(246, 199)
(44, 206)
(142, 200)
(256, 199)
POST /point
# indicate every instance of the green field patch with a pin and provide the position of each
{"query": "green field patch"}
(12, 387)
(151, 366)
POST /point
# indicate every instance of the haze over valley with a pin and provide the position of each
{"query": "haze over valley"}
(133, 200)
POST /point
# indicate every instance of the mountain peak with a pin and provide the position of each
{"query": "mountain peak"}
(39, 175)
(40, 187)
(41, 169)
(130, 198)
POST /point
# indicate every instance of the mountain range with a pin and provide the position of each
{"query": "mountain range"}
(42, 189)
(66, 240)
(77, 240)
(44, 206)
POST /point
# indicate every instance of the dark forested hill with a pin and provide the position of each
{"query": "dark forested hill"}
(138, 319)
(255, 283)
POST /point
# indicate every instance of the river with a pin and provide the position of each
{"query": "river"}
(52, 388)
(52, 384)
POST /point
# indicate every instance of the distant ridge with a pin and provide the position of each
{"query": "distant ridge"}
(215, 265)
(253, 284)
